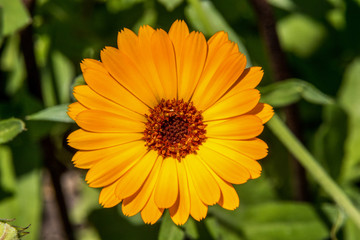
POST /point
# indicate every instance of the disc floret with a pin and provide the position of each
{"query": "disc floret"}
(174, 128)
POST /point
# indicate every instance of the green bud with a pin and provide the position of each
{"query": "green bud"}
(9, 232)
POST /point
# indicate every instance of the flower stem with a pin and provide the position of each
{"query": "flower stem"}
(278, 127)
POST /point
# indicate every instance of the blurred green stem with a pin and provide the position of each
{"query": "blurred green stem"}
(279, 128)
(200, 11)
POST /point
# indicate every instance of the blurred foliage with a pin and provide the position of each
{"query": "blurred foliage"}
(321, 40)
(9, 128)
(290, 91)
(13, 16)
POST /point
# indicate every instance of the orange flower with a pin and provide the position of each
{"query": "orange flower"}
(169, 121)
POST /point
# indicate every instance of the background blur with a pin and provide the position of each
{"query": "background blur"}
(42, 43)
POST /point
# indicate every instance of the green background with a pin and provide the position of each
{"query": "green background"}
(321, 41)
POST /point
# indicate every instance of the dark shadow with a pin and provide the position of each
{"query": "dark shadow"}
(111, 226)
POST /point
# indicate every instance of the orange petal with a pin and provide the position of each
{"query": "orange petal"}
(242, 127)
(128, 42)
(135, 203)
(177, 33)
(151, 212)
(111, 168)
(92, 64)
(100, 121)
(128, 74)
(219, 50)
(198, 209)
(220, 40)
(166, 189)
(264, 111)
(107, 196)
(215, 82)
(250, 78)
(254, 148)
(84, 140)
(133, 179)
(205, 185)
(180, 211)
(164, 59)
(148, 66)
(74, 109)
(106, 86)
(251, 165)
(233, 105)
(145, 32)
(191, 64)
(229, 198)
(87, 97)
(87, 159)
(137, 49)
(226, 168)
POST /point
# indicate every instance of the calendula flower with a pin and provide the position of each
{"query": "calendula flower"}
(169, 121)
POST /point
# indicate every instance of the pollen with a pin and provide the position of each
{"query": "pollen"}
(174, 128)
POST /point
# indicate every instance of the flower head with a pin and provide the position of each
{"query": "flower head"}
(169, 121)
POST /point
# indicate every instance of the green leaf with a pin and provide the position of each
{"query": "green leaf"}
(213, 227)
(12, 61)
(257, 191)
(292, 90)
(349, 91)
(9, 128)
(217, 23)
(219, 230)
(168, 229)
(47, 87)
(283, 221)
(300, 34)
(8, 206)
(14, 17)
(21, 197)
(288, 5)
(56, 113)
(16, 77)
(190, 229)
(1, 25)
(64, 74)
(170, 5)
(351, 231)
(337, 18)
(148, 18)
(275, 221)
(349, 99)
(28, 194)
(330, 139)
(120, 5)
(7, 171)
(10, 54)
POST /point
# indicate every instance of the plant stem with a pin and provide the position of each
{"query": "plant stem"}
(278, 127)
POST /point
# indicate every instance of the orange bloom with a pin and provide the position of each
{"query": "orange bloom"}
(169, 121)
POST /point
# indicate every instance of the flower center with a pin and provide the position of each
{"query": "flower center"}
(174, 128)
